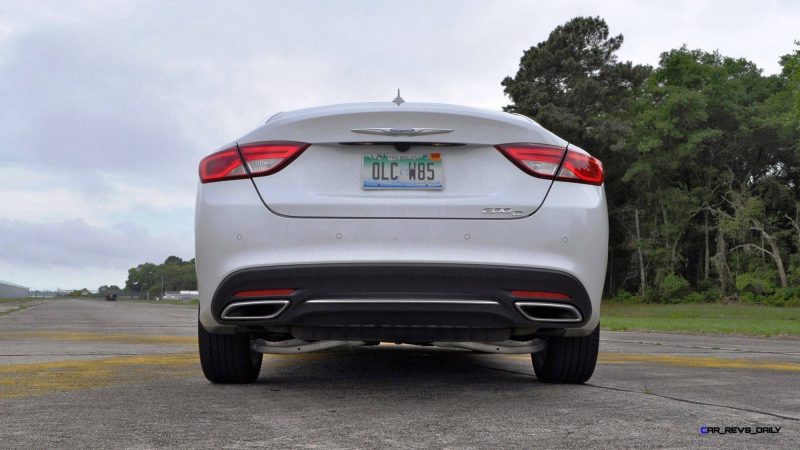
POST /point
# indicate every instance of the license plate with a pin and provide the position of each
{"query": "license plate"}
(413, 171)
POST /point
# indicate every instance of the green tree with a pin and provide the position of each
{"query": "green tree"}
(174, 274)
(173, 260)
(701, 155)
(790, 64)
(750, 220)
(698, 136)
(574, 85)
(142, 277)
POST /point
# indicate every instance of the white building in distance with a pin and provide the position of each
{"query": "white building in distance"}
(12, 290)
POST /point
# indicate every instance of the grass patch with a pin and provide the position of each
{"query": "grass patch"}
(746, 320)
(12, 305)
(18, 300)
(9, 311)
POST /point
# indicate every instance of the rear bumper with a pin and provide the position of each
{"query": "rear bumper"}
(401, 302)
(236, 234)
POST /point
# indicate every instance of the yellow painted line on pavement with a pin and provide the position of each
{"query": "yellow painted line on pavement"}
(711, 362)
(118, 338)
(27, 379)
(32, 379)
(698, 361)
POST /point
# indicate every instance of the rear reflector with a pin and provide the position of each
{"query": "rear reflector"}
(264, 293)
(262, 158)
(541, 294)
(545, 161)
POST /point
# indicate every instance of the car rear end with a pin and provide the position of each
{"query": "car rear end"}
(415, 223)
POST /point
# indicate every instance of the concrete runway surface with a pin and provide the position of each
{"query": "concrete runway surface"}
(84, 373)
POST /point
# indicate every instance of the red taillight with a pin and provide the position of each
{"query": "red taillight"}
(262, 158)
(581, 168)
(545, 161)
(265, 293)
(222, 165)
(540, 294)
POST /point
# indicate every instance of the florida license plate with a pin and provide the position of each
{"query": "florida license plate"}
(412, 171)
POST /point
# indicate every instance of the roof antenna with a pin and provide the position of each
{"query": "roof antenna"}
(398, 100)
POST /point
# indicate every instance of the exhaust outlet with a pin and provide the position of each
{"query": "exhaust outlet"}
(549, 312)
(254, 310)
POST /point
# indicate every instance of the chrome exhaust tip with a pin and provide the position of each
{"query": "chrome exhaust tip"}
(254, 310)
(549, 312)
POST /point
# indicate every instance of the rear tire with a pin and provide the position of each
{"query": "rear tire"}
(227, 358)
(567, 360)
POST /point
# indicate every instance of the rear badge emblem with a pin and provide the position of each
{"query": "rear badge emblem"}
(389, 131)
(501, 211)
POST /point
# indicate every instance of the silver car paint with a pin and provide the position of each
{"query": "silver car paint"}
(328, 124)
(234, 230)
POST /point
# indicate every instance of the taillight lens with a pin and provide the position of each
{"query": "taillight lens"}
(261, 158)
(222, 165)
(264, 158)
(545, 161)
(581, 168)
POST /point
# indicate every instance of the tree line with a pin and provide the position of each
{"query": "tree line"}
(701, 155)
(174, 274)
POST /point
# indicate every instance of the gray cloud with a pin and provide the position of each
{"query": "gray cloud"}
(81, 106)
(77, 244)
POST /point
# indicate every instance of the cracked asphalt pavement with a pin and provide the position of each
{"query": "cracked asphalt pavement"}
(96, 374)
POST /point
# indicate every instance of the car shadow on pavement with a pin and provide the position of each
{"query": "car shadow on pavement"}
(394, 367)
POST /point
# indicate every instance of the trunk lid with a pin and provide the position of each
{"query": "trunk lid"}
(335, 176)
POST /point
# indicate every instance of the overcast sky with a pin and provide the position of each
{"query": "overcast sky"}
(107, 107)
